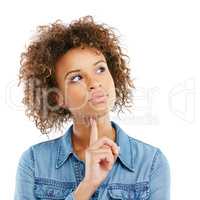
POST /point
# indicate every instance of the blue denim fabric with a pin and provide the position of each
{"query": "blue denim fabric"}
(51, 170)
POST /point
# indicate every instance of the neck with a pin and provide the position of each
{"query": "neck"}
(81, 131)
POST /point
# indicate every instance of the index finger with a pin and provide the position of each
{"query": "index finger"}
(93, 131)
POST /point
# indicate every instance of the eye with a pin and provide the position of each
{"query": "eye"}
(78, 77)
(74, 78)
(102, 69)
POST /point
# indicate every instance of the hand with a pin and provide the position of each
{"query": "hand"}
(99, 156)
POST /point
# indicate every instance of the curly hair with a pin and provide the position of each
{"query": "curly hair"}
(48, 44)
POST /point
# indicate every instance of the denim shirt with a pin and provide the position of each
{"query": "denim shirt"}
(51, 170)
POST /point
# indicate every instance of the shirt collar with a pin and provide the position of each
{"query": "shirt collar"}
(122, 139)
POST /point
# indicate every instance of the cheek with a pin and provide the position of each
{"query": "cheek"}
(111, 90)
(112, 93)
(110, 84)
(76, 96)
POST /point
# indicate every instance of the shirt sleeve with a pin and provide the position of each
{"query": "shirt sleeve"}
(160, 177)
(24, 187)
(70, 196)
(25, 177)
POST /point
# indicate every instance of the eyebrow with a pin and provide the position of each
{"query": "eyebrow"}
(78, 70)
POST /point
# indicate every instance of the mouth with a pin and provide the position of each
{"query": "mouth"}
(98, 99)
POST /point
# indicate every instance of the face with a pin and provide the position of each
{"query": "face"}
(85, 82)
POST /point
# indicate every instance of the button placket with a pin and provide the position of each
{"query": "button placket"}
(79, 170)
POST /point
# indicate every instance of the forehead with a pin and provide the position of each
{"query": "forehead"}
(80, 57)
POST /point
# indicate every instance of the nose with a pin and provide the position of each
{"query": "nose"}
(94, 85)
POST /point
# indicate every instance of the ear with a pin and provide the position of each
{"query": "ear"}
(58, 97)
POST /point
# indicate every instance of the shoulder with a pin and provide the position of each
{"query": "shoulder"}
(147, 153)
(139, 146)
(40, 149)
(146, 147)
(48, 145)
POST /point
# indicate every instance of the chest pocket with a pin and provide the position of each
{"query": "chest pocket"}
(118, 194)
(138, 191)
(50, 189)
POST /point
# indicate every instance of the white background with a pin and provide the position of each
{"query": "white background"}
(162, 39)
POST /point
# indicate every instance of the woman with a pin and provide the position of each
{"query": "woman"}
(78, 72)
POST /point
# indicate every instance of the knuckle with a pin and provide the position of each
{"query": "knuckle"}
(115, 146)
(104, 138)
(107, 151)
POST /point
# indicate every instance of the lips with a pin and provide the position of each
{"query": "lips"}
(98, 97)
(101, 99)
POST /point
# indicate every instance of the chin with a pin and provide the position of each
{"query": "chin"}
(96, 113)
